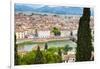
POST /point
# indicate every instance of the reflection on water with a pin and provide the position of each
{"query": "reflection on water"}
(50, 44)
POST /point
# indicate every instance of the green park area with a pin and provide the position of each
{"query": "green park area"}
(46, 56)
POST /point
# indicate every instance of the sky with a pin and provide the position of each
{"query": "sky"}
(64, 10)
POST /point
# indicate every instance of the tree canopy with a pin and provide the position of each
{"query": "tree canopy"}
(84, 43)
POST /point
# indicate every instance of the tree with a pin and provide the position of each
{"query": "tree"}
(84, 43)
(39, 59)
(71, 33)
(36, 33)
(28, 58)
(52, 57)
(15, 52)
(46, 46)
(67, 48)
(59, 52)
(56, 31)
(60, 55)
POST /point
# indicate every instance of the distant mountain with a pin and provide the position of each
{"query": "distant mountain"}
(23, 8)
(48, 9)
(61, 10)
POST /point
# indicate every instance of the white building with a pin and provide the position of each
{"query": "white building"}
(43, 33)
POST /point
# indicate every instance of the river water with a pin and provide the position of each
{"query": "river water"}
(30, 47)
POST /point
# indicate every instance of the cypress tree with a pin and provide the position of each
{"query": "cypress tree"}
(84, 41)
(36, 33)
(71, 33)
(46, 46)
(39, 59)
(15, 52)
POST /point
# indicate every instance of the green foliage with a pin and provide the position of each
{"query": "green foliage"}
(49, 57)
(59, 52)
(15, 52)
(84, 43)
(29, 58)
(60, 55)
(39, 59)
(67, 48)
(56, 31)
(53, 49)
(52, 57)
(46, 46)
(25, 43)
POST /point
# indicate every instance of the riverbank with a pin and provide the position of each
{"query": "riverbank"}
(40, 40)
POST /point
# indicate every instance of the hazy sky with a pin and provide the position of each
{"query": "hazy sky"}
(50, 9)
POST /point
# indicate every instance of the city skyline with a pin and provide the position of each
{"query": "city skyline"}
(39, 8)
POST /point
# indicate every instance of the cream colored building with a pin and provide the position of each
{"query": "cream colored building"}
(20, 35)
